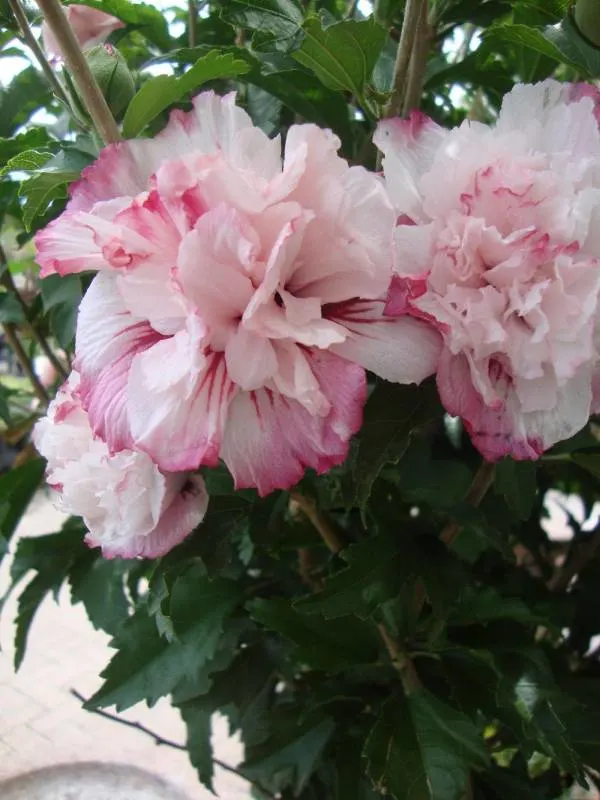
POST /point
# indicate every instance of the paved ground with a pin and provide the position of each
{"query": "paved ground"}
(42, 725)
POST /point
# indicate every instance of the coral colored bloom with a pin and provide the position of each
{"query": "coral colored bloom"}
(240, 297)
(90, 26)
(497, 245)
(129, 506)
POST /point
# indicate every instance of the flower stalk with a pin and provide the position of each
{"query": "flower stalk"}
(75, 61)
(410, 25)
(36, 49)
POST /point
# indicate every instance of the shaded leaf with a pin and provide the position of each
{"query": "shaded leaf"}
(517, 482)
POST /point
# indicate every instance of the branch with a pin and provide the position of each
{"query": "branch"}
(418, 63)
(92, 97)
(410, 23)
(23, 359)
(400, 659)
(7, 281)
(192, 22)
(160, 740)
(37, 51)
(574, 564)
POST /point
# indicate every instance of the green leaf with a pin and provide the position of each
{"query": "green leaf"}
(392, 413)
(517, 482)
(280, 19)
(422, 749)
(61, 296)
(159, 93)
(27, 161)
(343, 55)
(486, 605)
(329, 645)
(40, 191)
(198, 723)
(290, 755)
(100, 586)
(33, 138)
(17, 488)
(574, 49)
(589, 462)
(10, 309)
(148, 667)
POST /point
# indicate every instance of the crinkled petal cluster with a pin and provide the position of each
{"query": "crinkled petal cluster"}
(497, 246)
(240, 296)
(130, 507)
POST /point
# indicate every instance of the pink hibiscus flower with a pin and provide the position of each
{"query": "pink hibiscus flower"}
(240, 297)
(497, 245)
(90, 26)
(129, 506)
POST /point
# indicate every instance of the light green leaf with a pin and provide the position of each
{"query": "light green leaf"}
(343, 55)
(161, 92)
(27, 161)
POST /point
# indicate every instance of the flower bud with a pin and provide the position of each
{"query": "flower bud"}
(112, 74)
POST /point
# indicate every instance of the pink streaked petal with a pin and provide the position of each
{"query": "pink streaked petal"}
(505, 430)
(399, 349)
(177, 402)
(401, 293)
(108, 338)
(270, 440)
(185, 511)
(409, 147)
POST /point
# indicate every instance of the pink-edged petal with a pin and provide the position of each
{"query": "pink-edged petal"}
(270, 440)
(108, 338)
(505, 429)
(187, 501)
(409, 147)
(399, 349)
(215, 124)
(177, 401)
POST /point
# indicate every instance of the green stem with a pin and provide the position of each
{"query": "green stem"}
(418, 63)
(37, 51)
(412, 13)
(91, 95)
(192, 22)
(23, 359)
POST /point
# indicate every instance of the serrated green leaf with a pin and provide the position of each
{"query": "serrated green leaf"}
(39, 192)
(280, 19)
(422, 749)
(342, 55)
(517, 482)
(159, 93)
(486, 604)
(17, 488)
(34, 138)
(100, 586)
(332, 645)
(147, 666)
(61, 296)
(10, 309)
(290, 755)
(392, 413)
(27, 161)
(198, 724)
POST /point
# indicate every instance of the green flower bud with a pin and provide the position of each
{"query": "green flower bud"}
(110, 70)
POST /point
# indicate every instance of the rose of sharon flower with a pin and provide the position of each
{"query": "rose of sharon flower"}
(90, 26)
(239, 297)
(497, 245)
(129, 506)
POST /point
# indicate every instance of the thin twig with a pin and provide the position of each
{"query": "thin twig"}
(306, 568)
(160, 740)
(23, 359)
(400, 659)
(37, 51)
(322, 525)
(7, 281)
(574, 564)
(418, 63)
(482, 481)
(92, 97)
(412, 13)
(192, 22)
